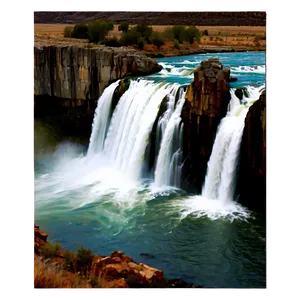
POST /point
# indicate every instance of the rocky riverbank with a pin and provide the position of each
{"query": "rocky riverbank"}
(57, 268)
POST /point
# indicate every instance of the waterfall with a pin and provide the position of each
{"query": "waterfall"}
(168, 166)
(131, 125)
(164, 119)
(101, 120)
(221, 168)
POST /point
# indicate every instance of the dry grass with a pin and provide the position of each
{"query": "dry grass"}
(48, 275)
(58, 29)
(219, 36)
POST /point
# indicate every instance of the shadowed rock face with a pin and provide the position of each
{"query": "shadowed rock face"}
(251, 185)
(80, 73)
(206, 104)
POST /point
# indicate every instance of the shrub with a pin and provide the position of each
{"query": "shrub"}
(140, 43)
(68, 31)
(50, 250)
(168, 34)
(263, 37)
(205, 32)
(256, 39)
(70, 261)
(192, 34)
(112, 43)
(131, 37)
(80, 31)
(98, 30)
(84, 259)
(124, 26)
(176, 44)
(157, 39)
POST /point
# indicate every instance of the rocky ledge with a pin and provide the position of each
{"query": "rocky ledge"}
(72, 72)
(115, 271)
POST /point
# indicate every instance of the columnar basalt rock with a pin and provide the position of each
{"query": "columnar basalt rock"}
(206, 104)
(71, 72)
(251, 186)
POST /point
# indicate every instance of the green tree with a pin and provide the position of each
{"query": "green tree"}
(179, 33)
(192, 34)
(157, 39)
(168, 34)
(80, 31)
(131, 37)
(124, 26)
(98, 30)
(144, 30)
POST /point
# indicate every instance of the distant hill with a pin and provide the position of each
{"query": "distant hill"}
(156, 18)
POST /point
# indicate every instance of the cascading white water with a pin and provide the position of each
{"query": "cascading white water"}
(132, 123)
(176, 160)
(221, 168)
(164, 119)
(167, 171)
(101, 120)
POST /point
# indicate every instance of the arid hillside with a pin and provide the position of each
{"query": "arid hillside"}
(156, 18)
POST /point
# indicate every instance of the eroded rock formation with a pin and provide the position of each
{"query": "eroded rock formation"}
(206, 104)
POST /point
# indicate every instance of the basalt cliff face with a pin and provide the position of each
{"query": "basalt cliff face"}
(206, 104)
(251, 186)
(80, 73)
(68, 81)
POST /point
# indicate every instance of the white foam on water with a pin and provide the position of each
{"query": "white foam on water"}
(249, 69)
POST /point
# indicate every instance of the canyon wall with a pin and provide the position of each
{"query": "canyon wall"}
(68, 81)
(72, 72)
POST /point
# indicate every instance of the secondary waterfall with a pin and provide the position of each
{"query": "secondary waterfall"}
(222, 165)
(168, 166)
(101, 120)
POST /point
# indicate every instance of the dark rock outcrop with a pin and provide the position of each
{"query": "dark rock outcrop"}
(179, 283)
(251, 186)
(206, 104)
